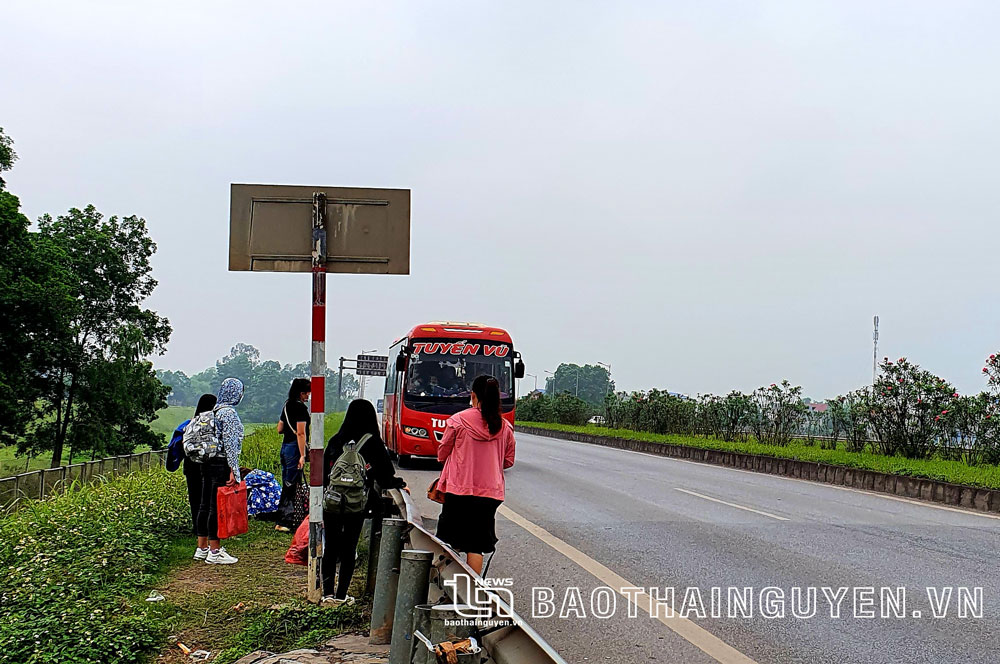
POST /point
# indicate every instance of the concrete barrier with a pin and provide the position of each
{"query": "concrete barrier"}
(959, 495)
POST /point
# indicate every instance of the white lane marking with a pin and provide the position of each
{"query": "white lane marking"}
(739, 507)
(918, 503)
(701, 638)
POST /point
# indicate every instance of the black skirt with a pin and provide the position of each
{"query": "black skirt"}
(468, 523)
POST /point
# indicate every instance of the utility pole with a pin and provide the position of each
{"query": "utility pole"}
(318, 365)
(364, 379)
(875, 353)
(340, 383)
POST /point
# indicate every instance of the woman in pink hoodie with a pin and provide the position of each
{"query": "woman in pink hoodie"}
(478, 444)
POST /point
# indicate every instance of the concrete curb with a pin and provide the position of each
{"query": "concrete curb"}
(959, 495)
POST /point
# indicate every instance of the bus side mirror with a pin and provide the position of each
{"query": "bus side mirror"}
(400, 362)
(519, 369)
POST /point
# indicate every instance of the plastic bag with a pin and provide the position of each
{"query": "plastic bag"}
(232, 510)
(298, 552)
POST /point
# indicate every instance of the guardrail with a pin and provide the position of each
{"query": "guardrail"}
(39, 484)
(515, 642)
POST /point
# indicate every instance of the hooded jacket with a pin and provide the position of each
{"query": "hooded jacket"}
(474, 459)
(230, 425)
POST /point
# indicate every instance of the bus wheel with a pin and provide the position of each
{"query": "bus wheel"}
(403, 460)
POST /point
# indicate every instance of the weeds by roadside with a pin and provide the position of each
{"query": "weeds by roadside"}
(259, 603)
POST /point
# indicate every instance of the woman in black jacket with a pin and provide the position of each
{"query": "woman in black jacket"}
(344, 530)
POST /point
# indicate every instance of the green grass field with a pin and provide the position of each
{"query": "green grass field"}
(936, 469)
(166, 421)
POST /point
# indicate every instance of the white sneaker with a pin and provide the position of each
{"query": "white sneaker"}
(200, 553)
(222, 557)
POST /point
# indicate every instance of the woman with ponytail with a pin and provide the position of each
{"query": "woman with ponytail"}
(477, 446)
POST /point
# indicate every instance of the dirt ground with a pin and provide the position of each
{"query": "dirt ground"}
(232, 610)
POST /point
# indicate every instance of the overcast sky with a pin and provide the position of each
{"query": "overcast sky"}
(707, 195)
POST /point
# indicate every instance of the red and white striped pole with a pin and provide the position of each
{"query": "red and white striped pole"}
(317, 400)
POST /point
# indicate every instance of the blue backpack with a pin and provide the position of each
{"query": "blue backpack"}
(175, 450)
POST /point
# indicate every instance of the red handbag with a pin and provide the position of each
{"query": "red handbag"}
(232, 510)
(434, 493)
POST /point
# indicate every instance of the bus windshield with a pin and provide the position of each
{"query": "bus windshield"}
(445, 374)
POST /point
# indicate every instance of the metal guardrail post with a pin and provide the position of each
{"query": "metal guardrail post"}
(386, 580)
(374, 543)
(414, 579)
(419, 654)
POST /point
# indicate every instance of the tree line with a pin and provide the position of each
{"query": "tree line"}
(908, 411)
(75, 338)
(266, 383)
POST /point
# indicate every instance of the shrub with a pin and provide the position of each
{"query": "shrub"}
(777, 413)
(561, 409)
(850, 417)
(76, 565)
(907, 407)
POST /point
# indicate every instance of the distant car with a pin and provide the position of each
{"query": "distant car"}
(596, 419)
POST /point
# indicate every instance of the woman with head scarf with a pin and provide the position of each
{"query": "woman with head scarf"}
(221, 470)
(344, 530)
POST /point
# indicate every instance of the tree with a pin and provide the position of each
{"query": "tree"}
(182, 393)
(35, 294)
(108, 330)
(7, 154)
(591, 382)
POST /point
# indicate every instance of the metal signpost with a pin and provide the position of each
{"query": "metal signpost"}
(281, 228)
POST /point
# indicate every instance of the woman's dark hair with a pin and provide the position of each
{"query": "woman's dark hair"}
(205, 403)
(487, 390)
(299, 385)
(359, 420)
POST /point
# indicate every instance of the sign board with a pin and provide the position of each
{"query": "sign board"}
(372, 365)
(270, 229)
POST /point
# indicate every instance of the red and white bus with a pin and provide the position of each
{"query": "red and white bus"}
(430, 376)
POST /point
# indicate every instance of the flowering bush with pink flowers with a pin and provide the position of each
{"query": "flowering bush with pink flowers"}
(909, 408)
(908, 412)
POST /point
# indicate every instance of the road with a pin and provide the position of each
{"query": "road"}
(584, 516)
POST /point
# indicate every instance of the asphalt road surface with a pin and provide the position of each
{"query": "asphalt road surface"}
(585, 517)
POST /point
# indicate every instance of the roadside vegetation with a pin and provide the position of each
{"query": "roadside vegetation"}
(910, 422)
(944, 470)
(80, 565)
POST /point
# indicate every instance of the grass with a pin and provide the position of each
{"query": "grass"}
(167, 419)
(12, 463)
(79, 565)
(957, 472)
(257, 604)
(76, 568)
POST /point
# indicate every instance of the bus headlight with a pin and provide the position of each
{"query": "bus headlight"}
(415, 431)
